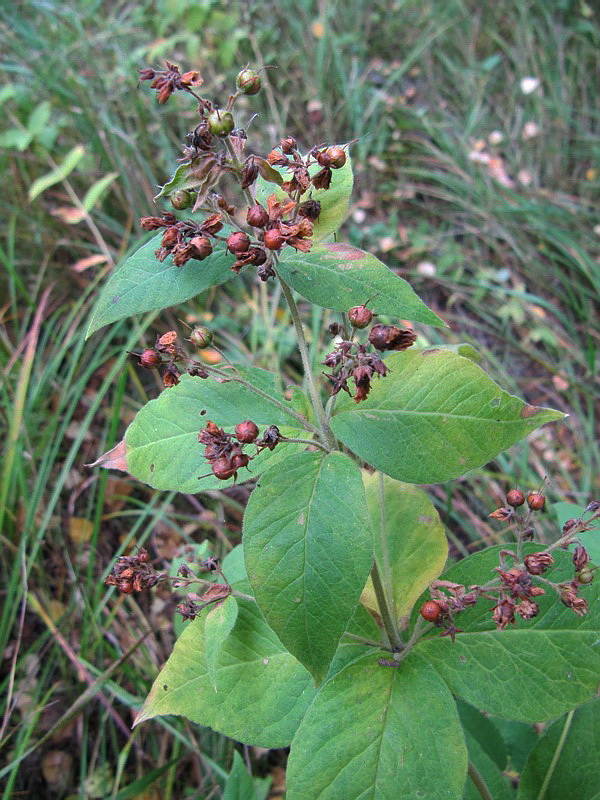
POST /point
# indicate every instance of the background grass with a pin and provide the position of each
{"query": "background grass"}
(425, 88)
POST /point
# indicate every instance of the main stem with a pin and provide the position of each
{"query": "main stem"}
(387, 616)
(479, 783)
(327, 435)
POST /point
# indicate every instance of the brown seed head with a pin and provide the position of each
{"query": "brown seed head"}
(536, 501)
(238, 242)
(538, 563)
(274, 239)
(515, 498)
(360, 317)
(337, 157)
(257, 216)
(246, 431)
(150, 359)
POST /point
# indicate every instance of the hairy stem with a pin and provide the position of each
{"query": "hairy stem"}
(389, 623)
(327, 435)
(479, 783)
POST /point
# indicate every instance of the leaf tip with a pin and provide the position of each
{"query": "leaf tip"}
(113, 459)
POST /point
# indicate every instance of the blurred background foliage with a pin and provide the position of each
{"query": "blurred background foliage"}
(476, 154)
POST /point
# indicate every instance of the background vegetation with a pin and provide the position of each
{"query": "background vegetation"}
(478, 186)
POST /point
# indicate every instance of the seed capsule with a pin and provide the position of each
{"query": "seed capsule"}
(274, 239)
(246, 432)
(360, 317)
(337, 157)
(223, 468)
(238, 242)
(248, 81)
(201, 337)
(430, 611)
(150, 359)
(257, 216)
(515, 498)
(536, 501)
(181, 199)
(220, 123)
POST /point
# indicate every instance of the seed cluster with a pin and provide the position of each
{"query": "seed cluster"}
(216, 147)
(352, 359)
(167, 354)
(225, 451)
(521, 581)
(133, 573)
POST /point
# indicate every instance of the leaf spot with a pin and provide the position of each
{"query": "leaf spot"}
(203, 412)
(425, 519)
(495, 402)
(115, 298)
(462, 659)
(297, 599)
(301, 519)
(265, 661)
(151, 467)
(529, 411)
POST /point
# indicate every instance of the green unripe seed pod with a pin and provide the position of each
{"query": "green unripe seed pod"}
(248, 81)
(201, 337)
(181, 199)
(220, 123)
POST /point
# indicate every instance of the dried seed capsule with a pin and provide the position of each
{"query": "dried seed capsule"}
(389, 337)
(238, 242)
(337, 157)
(257, 216)
(150, 359)
(360, 317)
(274, 239)
(246, 431)
(538, 563)
(126, 586)
(223, 468)
(536, 501)
(248, 81)
(202, 337)
(220, 123)
(515, 498)
(430, 611)
(240, 460)
(181, 199)
(202, 247)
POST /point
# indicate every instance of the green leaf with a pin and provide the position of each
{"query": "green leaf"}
(334, 201)
(480, 568)
(142, 283)
(532, 671)
(38, 119)
(487, 752)
(488, 770)
(566, 760)
(15, 138)
(379, 733)
(434, 417)
(308, 549)
(341, 276)
(95, 192)
(240, 784)
(58, 174)
(483, 730)
(263, 692)
(410, 543)
(162, 447)
(527, 675)
(186, 177)
(218, 624)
